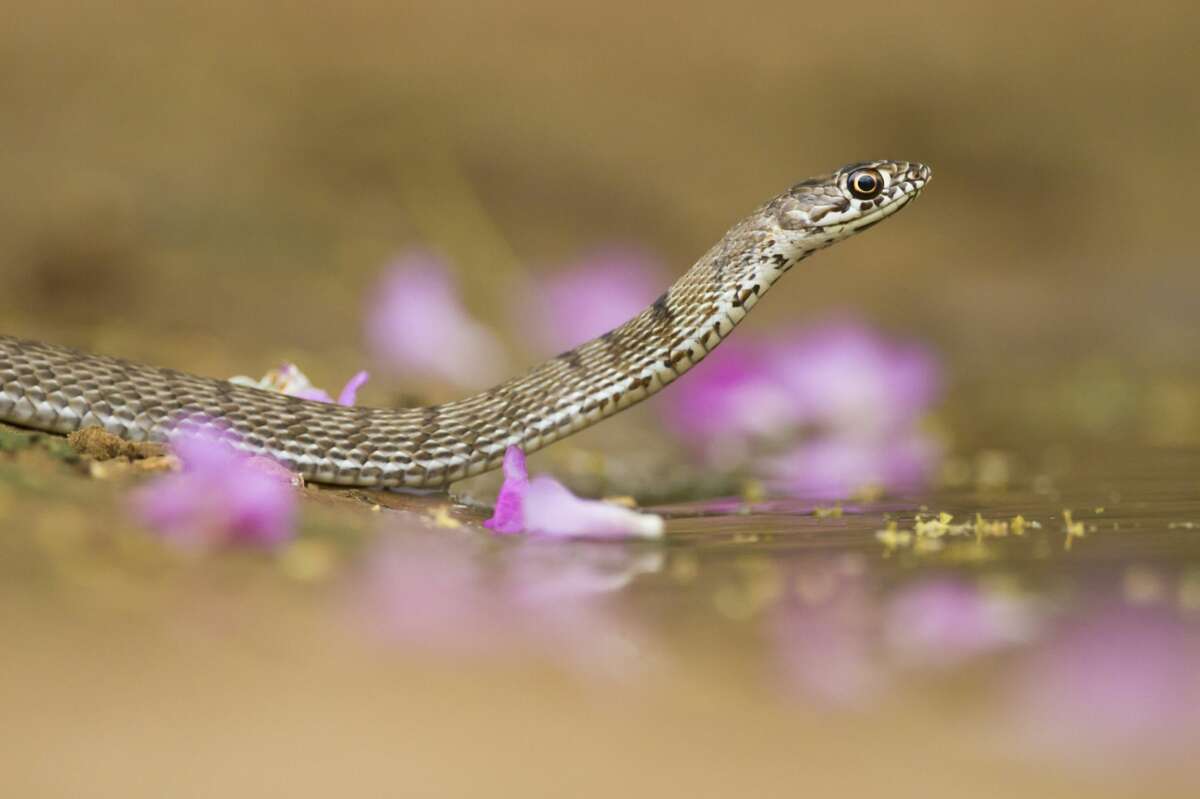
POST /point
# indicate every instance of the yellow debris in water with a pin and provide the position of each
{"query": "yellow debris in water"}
(993, 529)
(1074, 529)
(925, 546)
(442, 518)
(828, 513)
(932, 533)
(892, 537)
(970, 552)
(933, 528)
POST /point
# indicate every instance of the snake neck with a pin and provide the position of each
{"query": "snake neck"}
(636, 360)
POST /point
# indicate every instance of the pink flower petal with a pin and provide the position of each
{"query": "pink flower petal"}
(347, 397)
(417, 324)
(858, 392)
(288, 379)
(543, 506)
(219, 496)
(835, 467)
(845, 376)
(592, 296)
(202, 450)
(350, 393)
(552, 510)
(508, 516)
(728, 400)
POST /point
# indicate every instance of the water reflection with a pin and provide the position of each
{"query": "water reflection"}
(1116, 688)
(457, 593)
(947, 621)
(840, 641)
(1093, 677)
(1087, 655)
(430, 591)
(825, 635)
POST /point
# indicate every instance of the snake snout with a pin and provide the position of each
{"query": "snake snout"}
(917, 172)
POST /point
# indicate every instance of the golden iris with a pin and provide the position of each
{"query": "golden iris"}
(865, 184)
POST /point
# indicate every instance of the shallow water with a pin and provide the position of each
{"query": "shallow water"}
(785, 640)
(1140, 502)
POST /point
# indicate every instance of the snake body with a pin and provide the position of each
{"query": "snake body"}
(58, 389)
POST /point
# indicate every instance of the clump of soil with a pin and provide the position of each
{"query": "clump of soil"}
(95, 443)
(107, 455)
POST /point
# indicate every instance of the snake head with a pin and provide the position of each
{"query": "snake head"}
(853, 198)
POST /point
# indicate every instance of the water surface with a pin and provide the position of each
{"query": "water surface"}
(772, 646)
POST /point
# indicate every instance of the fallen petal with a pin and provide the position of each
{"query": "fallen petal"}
(544, 506)
(220, 495)
(508, 516)
(350, 392)
(550, 509)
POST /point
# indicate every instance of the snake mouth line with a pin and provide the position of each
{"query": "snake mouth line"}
(906, 192)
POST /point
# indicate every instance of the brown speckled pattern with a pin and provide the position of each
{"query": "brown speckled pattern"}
(58, 389)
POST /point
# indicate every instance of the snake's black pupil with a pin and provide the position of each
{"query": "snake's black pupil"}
(865, 184)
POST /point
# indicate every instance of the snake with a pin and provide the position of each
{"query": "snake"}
(60, 390)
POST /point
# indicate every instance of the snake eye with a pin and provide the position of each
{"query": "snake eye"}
(865, 184)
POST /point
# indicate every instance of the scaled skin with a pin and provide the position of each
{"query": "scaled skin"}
(57, 389)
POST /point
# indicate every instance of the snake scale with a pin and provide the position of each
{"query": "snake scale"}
(57, 389)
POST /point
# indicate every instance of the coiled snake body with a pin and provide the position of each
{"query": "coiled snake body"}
(57, 389)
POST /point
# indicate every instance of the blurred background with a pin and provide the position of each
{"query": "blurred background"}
(221, 187)
(217, 187)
